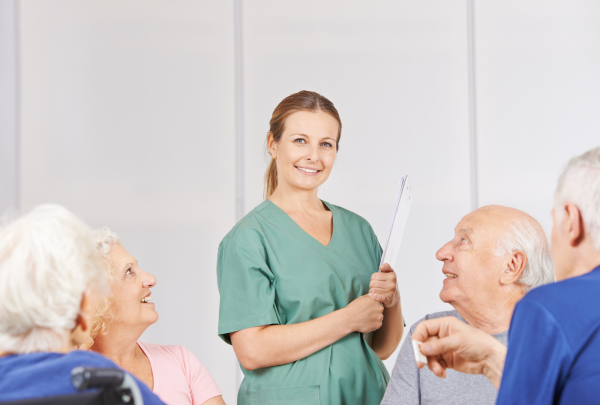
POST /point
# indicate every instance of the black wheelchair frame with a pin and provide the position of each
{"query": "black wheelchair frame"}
(113, 387)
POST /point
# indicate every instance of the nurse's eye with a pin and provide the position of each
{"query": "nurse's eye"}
(300, 140)
(326, 144)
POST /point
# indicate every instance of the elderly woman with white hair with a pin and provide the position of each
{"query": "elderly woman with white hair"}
(50, 279)
(171, 371)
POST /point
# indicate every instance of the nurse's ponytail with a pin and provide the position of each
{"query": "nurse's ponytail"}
(301, 101)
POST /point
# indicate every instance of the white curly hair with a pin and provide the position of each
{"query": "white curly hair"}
(105, 240)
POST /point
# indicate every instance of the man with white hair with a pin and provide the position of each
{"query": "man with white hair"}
(554, 346)
(496, 256)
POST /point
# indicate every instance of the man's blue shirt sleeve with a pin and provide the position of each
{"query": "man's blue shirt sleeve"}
(538, 356)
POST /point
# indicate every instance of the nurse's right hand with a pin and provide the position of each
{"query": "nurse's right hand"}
(364, 314)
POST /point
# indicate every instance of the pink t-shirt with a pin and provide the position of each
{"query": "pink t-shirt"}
(179, 377)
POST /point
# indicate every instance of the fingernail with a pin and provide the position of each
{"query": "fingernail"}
(426, 348)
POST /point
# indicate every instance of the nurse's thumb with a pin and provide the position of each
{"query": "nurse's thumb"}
(385, 268)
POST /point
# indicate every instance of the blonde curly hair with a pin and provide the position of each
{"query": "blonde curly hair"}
(105, 240)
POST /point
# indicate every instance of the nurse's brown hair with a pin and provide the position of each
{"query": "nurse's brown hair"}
(302, 101)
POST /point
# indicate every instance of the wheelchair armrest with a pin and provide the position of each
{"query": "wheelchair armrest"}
(88, 377)
(114, 382)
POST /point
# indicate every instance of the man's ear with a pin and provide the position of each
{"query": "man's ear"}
(514, 268)
(83, 322)
(574, 226)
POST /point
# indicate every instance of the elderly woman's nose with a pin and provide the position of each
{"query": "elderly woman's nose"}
(444, 253)
(149, 280)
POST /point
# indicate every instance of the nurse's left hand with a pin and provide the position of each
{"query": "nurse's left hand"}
(384, 287)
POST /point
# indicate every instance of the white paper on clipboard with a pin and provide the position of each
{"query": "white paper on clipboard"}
(391, 248)
(397, 223)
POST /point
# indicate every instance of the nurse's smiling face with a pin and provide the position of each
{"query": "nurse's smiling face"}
(306, 151)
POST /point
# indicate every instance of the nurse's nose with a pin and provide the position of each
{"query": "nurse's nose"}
(313, 154)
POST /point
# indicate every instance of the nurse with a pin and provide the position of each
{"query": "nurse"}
(299, 279)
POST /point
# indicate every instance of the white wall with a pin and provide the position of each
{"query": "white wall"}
(538, 89)
(127, 118)
(8, 107)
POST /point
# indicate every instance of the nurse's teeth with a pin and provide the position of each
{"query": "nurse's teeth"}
(306, 170)
(450, 275)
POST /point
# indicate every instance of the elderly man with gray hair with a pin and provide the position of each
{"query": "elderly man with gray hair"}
(496, 256)
(553, 355)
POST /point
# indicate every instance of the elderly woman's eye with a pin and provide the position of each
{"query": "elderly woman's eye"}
(463, 241)
(128, 271)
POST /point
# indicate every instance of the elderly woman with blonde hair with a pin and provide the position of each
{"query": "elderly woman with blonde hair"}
(172, 372)
(51, 277)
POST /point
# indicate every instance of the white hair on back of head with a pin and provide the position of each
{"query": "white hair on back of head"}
(48, 260)
(579, 183)
(523, 236)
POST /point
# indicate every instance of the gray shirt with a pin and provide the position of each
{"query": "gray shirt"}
(409, 385)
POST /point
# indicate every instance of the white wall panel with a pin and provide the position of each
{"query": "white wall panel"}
(397, 72)
(8, 107)
(538, 92)
(127, 120)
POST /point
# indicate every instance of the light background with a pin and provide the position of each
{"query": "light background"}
(124, 112)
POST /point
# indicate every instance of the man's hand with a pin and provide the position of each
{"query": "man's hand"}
(451, 343)
(384, 286)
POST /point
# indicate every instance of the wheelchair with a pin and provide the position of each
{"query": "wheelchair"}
(113, 387)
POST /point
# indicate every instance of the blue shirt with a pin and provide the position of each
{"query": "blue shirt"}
(37, 375)
(554, 345)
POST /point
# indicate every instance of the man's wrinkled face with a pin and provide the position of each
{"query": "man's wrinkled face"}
(471, 267)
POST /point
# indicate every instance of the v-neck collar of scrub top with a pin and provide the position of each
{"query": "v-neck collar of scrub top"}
(292, 226)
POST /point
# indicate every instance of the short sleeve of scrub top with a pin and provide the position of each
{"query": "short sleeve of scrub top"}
(246, 284)
(270, 272)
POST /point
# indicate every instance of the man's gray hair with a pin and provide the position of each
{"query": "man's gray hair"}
(579, 183)
(524, 236)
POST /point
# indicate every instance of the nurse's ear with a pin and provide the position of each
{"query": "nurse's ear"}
(272, 145)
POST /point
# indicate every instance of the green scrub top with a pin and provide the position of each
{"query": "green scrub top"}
(271, 272)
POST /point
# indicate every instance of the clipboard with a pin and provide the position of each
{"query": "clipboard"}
(395, 232)
(397, 223)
